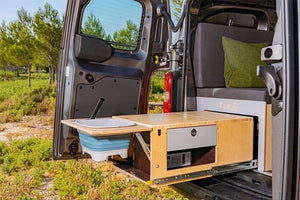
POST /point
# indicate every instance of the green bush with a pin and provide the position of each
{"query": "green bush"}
(3, 151)
(157, 82)
(74, 179)
(26, 164)
(23, 167)
(157, 86)
(32, 101)
(22, 154)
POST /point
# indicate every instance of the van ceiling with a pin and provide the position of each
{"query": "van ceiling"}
(269, 4)
(260, 15)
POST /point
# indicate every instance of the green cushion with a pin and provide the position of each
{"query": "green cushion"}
(241, 60)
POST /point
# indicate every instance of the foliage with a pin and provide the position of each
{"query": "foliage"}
(22, 167)
(158, 97)
(22, 154)
(126, 38)
(82, 178)
(157, 82)
(14, 86)
(47, 27)
(26, 166)
(92, 26)
(22, 42)
(157, 86)
(4, 45)
(177, 5)
(31, 40)
(22, 39)
(16, 101)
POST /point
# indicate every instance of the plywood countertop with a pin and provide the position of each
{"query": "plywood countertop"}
(146, 122)
(106, 131)
(181, 119)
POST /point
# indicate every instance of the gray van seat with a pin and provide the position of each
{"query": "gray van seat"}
(209, 60)
(251, 94)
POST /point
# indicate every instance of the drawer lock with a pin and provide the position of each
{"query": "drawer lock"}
(193, 132)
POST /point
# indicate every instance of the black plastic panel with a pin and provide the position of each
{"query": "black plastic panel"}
(120, 97)
(92, 48)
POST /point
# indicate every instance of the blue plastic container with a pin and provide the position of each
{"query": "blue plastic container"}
(99, 147)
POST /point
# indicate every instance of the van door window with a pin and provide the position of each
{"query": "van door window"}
(116, 22)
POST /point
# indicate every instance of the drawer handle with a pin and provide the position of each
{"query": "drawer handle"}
(193, 132)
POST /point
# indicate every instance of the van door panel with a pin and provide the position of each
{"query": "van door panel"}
(114, 91)
(112, 66)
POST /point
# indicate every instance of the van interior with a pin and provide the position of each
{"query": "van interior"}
(213, 70)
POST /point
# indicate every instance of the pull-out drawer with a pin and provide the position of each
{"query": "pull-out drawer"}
(192, 137)
(164, 149)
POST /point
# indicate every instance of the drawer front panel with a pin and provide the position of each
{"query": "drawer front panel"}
(192, 137)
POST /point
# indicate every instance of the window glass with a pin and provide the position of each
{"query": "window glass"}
(116, 21)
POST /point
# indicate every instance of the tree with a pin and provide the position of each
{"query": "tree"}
(47, 27)
(92, 26)
(3, 45)
(127, 38)
(176, 11)
(22, 40)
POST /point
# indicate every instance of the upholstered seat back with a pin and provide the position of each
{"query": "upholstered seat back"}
(208, 51)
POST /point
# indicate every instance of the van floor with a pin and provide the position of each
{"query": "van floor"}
(242, 185)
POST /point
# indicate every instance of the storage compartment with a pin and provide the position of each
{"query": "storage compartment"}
(179, 159)
(191, 157)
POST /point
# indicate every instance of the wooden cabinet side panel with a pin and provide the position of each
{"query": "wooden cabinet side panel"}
(235, 141)
(268, 139)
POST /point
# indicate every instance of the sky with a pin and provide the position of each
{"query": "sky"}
(8, 8)
(111, 21)
(116, 13)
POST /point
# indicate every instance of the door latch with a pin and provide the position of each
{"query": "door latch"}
(272, 54)
(178, 47)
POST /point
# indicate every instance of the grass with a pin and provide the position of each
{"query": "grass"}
(27, 168)
(17, 99)
(11, 85)
(26, 165)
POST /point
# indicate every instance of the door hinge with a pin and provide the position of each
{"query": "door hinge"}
(272, 78)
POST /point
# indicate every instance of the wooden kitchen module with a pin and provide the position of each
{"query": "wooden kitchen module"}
(184, 146)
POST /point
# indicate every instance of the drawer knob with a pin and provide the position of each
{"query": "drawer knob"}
(193, 132)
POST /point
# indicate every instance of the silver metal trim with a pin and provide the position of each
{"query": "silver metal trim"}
(215, 171)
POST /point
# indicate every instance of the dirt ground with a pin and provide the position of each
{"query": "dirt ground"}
(30, 126)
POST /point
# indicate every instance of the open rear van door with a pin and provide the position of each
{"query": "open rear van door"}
(108, 52)
(286, 164)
